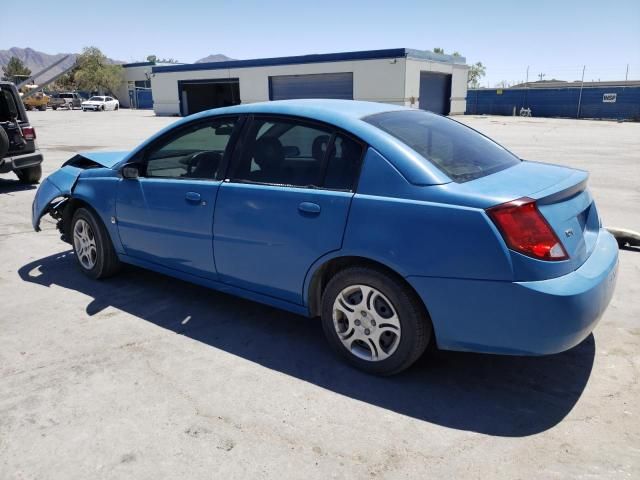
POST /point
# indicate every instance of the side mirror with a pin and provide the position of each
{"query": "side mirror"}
(131, 171)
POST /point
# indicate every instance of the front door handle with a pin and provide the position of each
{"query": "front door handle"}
(309, 207)
(192, 197)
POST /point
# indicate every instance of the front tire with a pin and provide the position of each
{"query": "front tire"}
(374, 321)
(92, 245)
(30, 175)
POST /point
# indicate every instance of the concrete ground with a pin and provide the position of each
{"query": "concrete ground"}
(143, 376)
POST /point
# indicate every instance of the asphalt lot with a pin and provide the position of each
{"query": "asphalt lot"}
(143, 376)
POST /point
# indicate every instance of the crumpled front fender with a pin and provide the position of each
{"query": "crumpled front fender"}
(58, 185)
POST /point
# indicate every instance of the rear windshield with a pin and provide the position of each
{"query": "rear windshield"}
(66, 95)
(459, 151)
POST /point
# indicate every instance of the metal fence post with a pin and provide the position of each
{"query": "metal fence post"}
(580, 96)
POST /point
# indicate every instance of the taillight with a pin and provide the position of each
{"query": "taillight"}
(526, 231)
(29, 133)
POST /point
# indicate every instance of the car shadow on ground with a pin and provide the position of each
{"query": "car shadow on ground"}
(8, 185)
(494, 395)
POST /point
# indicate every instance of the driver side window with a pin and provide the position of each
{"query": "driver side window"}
(195, 152)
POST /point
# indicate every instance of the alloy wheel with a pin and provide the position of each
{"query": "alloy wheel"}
(84, 242)
(366, 323)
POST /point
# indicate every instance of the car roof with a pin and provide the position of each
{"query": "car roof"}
(332, 110)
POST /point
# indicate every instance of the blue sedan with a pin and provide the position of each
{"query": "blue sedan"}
(397, 227)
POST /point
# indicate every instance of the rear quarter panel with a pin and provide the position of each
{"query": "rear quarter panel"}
(390, 224)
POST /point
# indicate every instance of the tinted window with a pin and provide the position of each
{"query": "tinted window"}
(283, 152)
(343, 163)
(195, 152)
(460, 152)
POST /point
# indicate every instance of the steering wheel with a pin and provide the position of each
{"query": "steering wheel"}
(192, 163)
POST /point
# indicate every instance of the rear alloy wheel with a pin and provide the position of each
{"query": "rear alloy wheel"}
(92, 246)
(374, 321)
(30, 175)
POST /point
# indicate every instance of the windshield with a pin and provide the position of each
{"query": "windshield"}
(96, 99)
(459, 151)
(66, 95)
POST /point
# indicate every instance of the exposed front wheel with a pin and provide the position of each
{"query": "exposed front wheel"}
(374, 321)
(30, 175)
(92, 246)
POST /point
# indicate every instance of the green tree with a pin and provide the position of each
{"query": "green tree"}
(15, 67)
(476, 72)
(438, 50)
(155, 59)
(95, 72)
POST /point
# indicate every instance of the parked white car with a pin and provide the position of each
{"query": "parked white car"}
(101, 103)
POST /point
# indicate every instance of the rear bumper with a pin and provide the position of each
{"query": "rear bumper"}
(18, 162)
(522, 318)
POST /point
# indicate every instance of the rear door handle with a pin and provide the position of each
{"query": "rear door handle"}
(309, 207)
(192, 197)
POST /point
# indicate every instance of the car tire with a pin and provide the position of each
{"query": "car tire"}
(102, 108)
(92, 245)
(30, 175)
(54, 108)
(5, 144)
(116, 107)
(389, 327)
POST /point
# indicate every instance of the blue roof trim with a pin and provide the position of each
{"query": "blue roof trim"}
(297, 60)
(138, 64)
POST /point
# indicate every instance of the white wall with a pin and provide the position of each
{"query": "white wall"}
(131, 74)
(458, 82)
(380, 80)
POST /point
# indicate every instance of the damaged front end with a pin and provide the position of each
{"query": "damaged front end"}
(56, 191)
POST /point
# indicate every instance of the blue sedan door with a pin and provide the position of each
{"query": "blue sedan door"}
(284, 205)
(166, 215)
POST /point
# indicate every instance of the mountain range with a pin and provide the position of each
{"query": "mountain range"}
(37, 61)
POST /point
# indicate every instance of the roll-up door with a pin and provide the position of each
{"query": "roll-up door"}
(323, 85)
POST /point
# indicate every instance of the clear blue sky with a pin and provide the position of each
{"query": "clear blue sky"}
(552, 37)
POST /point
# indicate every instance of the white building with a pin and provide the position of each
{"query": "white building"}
(416, 78)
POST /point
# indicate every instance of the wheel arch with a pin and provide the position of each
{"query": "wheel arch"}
(71, 206)
(324, 271)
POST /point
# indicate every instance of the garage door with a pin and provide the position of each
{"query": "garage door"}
(435, 92)
(199, 95)
(324, 85)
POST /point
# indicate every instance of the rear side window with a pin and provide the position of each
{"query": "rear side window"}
(295, 153)
(460, 152)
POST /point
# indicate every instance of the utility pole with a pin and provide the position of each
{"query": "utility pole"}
(541, 75)
(526, 89)
(626, 75)
(580, 97)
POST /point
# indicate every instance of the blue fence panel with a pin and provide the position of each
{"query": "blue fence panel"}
(558, 102)
(144, 100)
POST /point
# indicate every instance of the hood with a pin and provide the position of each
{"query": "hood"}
(92, 102)
(105, 159)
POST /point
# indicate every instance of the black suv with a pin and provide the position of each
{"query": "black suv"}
(18, 149)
